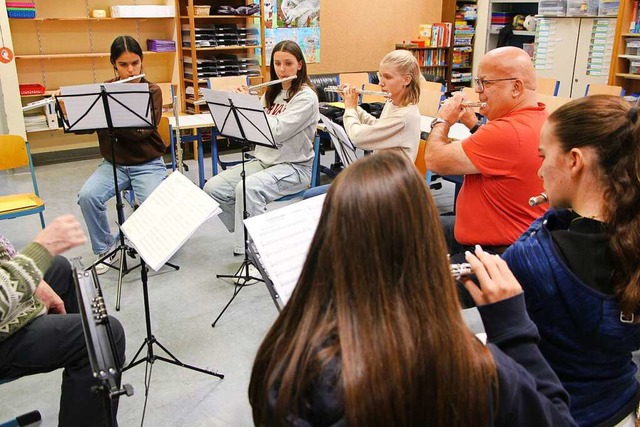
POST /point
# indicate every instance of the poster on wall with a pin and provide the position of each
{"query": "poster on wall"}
(297, 20)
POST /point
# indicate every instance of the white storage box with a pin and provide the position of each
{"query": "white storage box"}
(142, 11)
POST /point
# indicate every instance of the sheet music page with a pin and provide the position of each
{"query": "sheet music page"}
(77, 106)
(220, 110)
(167, 218)
(137, 113)
(282, 238)
(343, 145)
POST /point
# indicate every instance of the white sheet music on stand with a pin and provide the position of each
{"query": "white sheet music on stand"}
(282, 238)
(77, 106)
(341, 142)
(167, 218)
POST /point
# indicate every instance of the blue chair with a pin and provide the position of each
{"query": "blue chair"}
(315, 172)
(15, 153)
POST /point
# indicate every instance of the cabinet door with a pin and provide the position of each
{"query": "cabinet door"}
(555, 50)
(593, 56)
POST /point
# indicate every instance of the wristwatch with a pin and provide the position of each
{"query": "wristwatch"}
(438, 120)
(476, 126)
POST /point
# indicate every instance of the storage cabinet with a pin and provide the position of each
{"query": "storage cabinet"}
(501, 13)
(624, 65)
(64, 46)
(214, 42)
(575, 51)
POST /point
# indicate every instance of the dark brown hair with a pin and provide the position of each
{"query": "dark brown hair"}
(376, 293)
(122, 44)
(273, 91)
(610, 126)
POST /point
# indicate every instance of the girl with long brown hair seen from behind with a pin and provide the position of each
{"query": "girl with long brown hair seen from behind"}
(579, 264)
(373, 334)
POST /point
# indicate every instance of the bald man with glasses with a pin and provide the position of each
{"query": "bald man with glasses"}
(499, 160)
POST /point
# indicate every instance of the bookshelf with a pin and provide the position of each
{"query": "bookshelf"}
(215, 45)
(464, 29)
(433, 50)
(64, 46)
(624, 71)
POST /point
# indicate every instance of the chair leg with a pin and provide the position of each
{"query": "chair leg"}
(42, 220)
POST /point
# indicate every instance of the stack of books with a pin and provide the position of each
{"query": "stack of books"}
(156, 45)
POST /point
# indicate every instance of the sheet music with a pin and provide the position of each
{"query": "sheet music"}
(167, 218)
(282, 238)
(343, 145)
(91, 105)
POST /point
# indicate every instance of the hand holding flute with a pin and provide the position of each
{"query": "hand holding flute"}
(457, 109)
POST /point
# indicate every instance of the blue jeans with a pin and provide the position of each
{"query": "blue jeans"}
(99, 188)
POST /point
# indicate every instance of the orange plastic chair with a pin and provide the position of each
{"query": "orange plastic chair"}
(14, 154)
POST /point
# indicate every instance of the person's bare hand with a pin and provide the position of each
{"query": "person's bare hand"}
(49, 298)
(244, 89)
(451, 109)
(350, 96)
(497, 282)
(62, 234)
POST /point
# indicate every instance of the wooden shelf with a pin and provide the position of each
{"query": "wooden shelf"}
(628, 76)
(630, 35)
(213, 48)
(422, 48)
(221, 16)
(85, 18)
(433, 66)
(79, 55)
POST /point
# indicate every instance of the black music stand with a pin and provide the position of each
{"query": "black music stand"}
(109, 106)
(241, 117)
(101, 347)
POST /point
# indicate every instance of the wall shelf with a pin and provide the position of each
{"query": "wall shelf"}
(81, 55)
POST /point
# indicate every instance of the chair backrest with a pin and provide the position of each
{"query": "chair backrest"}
(470, 94)
(13, 152)
(429, 102)
(426, 85)
(599, 89)
(227, 82)
(353, 79)
(373, 98)
(420, 164)
(168, 91)
(552, 102)
(547, 86)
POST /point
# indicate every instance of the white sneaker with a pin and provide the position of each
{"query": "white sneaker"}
(102, 267)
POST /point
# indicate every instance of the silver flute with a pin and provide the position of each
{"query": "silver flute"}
(470, 104)
(339, 89)
(272, 82)
(538, 200)
(460, 270)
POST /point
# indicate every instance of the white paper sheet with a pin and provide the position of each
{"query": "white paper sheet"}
(282, 238)
(92, 105)
(167, 218)
(341, 142)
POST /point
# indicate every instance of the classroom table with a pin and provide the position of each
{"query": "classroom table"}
(195, 122)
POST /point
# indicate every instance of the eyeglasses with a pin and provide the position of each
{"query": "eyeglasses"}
(481, 82)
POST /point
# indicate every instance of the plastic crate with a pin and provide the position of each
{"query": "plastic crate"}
(22, 5)
(31, 89)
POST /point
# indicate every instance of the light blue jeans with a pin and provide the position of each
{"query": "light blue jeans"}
(264, 185)
(99, 188)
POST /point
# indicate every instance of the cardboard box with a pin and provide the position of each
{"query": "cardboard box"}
(143, 11)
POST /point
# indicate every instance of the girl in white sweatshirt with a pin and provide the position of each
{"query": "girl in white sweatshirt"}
(292, 112)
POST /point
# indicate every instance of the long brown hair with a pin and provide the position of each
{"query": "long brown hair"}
(272, 91)
(376, 292)
(609, 125)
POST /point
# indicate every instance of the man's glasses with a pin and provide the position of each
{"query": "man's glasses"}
(480, 83)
